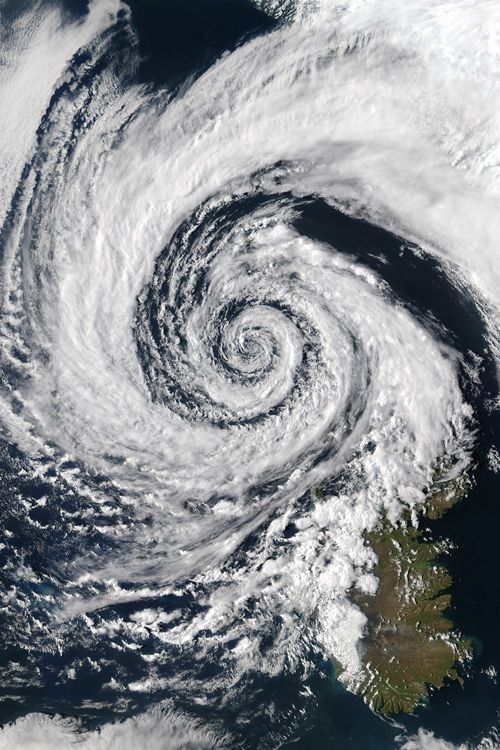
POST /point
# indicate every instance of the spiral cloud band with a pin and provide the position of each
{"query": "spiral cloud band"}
(225, 349)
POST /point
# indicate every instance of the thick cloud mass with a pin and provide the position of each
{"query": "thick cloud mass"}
(155, 730)
(234, 401)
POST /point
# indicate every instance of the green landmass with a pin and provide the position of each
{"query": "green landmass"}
(410, 644)
(444, 494)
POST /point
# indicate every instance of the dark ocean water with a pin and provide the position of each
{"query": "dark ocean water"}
(179, 39)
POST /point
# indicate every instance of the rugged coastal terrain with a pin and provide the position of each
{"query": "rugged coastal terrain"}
(411, 645)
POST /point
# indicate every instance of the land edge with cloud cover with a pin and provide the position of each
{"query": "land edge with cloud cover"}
(411, 645)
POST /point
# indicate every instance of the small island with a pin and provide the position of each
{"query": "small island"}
(410, 645)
